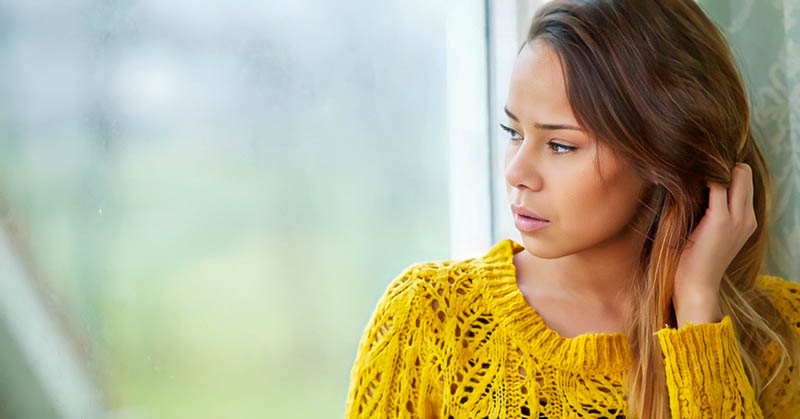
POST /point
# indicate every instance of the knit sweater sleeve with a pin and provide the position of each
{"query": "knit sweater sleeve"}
(705, 373)
(391, 376)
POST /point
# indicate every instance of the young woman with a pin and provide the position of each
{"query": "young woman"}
(637, 292)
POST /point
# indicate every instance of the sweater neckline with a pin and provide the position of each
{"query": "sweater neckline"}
(608, 351)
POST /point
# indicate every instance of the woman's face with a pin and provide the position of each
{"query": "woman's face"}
(553, 172)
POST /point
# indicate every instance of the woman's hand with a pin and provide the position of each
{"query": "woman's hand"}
(729, 221)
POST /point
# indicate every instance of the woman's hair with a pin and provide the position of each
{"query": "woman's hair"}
(657, 83)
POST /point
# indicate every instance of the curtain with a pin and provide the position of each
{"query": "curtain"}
(765, 38)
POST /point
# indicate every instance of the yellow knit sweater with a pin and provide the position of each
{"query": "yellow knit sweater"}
(456, 339)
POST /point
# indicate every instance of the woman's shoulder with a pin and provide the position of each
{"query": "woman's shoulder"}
(784, 294)
(445, 276)
(779, 288)
(443, 283)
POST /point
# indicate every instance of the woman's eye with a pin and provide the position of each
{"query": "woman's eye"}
(510, 132)
(554, 146)
(564, 147)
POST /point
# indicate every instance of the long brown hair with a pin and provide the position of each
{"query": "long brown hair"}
(656, 81)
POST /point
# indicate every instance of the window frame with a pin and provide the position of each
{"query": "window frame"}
(482, 43)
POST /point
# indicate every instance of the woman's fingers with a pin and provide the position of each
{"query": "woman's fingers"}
(717, 199)
(735, 201)
(742, 190)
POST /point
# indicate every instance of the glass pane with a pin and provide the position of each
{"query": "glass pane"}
(208, 198)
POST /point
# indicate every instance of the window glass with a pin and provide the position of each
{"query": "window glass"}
(208, 198)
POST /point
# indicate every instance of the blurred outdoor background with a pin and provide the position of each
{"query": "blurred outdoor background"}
(209, 197)
(202, 201)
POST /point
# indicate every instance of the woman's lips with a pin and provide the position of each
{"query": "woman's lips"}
(521, 210)
(529, 224)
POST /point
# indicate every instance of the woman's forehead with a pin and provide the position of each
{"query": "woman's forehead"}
(537, 89)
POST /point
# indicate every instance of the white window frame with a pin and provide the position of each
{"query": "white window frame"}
(482, 42)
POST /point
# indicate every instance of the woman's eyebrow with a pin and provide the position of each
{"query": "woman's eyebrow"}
(539, 125)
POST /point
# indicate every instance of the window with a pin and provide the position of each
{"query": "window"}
(196, 192)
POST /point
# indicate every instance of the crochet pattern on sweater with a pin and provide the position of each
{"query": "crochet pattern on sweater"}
(457, 339)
